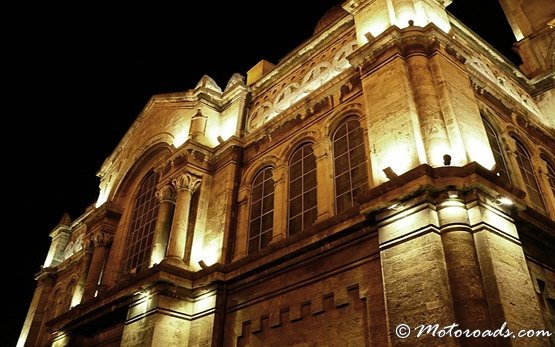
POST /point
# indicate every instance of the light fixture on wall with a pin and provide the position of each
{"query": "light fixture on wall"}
(395, 205)
(503, 200)
(446, 160)
(453, 194)
(202, 264)
(389, 173)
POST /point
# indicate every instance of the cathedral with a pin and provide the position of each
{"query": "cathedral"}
(393, 171)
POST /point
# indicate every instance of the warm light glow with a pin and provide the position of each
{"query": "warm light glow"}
(209, 254)
(453, 194)
(205, 303)
(397, 157)
(437, 153)
(227, 128)
(77, 296)
(181, 137)
(157, 256)
(375, 28)
(142, 305)
(480, 152)
(103, 196)
(503, 200)
(375, 18)
(395, 206)
(389, 173)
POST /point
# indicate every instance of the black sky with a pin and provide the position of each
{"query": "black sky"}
(79, 75)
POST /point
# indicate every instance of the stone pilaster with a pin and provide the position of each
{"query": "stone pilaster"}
(88, 249)
(241, 238)
(281, 202)
(432, 124)
(325, 185)
(465, 277)
(100, 240)
(166, 195)
(510, 293)
(186, 184)
(31, 332)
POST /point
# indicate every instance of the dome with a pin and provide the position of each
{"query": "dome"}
(330, 17)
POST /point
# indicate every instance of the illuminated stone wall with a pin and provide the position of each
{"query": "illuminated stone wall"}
(434, 236)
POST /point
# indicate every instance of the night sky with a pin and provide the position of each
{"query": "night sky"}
(76, 83)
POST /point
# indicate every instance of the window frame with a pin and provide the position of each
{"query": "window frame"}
(352, 119)
(138, 245)
(496, 148)
(267, 177)
(307, 214)
(529, 177)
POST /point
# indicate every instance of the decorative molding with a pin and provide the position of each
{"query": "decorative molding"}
(187, 182)
(166, 194)
(295, 91)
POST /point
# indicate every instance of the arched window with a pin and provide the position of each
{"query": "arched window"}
(500, 163)
(262, 210)
(68, 296)
(143, 220)
(56, 303)
(302, 189)
(551, 176)
(349, 157)
(527, 171)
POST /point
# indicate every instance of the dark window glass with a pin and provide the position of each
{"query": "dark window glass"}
(527, 171)
(143, 219)
(302, 189)
(349, 158)
(495, 145)
(262, 210)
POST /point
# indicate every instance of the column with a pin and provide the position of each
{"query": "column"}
(100, 240)
(463, 268)
(32, 331)
(432, 125)
(86, 260)
(281, 203)
(241, 235)
(186, 184)
(545, 186)
(166, 195)
(325, 185)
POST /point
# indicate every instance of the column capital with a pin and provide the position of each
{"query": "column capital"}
(186, 182)
(97, 239)
(321, 150)
(166, 194)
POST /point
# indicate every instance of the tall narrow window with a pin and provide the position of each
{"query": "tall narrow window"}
(493, 139)
(349, 163)
(143, 221)
(56, 303)
(527, 171)
(262, 210)
(302, 189)
(68, 296)
(551, 176)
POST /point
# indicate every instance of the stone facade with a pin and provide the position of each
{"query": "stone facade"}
(394, 169)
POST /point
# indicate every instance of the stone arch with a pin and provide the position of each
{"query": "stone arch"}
(348, 110)
(69, 291)
(149, 157)
(299, 139)
(268, 160)
(492, 118)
